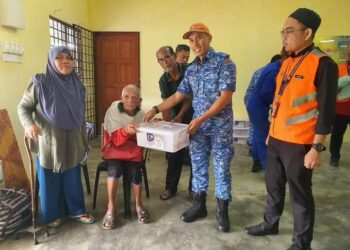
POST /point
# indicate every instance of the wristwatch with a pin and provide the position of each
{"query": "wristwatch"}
(319, 147)
(156, 109)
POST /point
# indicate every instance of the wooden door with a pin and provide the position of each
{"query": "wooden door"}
(117, 65)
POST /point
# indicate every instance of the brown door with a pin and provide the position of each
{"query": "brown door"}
(117, 65)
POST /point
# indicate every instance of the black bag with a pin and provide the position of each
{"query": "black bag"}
(15, 210)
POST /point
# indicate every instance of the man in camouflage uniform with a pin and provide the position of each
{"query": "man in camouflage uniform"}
(210, 81)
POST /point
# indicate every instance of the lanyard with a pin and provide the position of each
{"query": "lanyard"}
(285, 79)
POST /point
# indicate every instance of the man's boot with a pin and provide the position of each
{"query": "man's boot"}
(198, 209)
(222, 215)
(256, 167)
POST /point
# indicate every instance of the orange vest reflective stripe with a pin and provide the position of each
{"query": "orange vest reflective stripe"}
(343, 71)
(295, 118)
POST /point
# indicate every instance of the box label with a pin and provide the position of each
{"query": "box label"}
(155, 141)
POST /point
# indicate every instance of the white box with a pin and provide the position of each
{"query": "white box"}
(164, 136)
(241, 132)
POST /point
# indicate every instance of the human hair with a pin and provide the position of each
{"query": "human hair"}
(275, 58)
(169, 49)
(181, 47)
(132, 87)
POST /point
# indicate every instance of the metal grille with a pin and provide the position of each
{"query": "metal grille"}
(80, 42)
(85, 67)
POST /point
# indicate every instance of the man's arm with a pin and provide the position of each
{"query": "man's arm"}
(167, 104)
(167, 114)
(224, 99)
(326, 81)
(186, 104)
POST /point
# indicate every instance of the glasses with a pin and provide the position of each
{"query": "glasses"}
(166, 57)
(285, 33)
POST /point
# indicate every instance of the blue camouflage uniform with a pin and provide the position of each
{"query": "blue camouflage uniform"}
(247, 97)
(205, 82)
(258, 107)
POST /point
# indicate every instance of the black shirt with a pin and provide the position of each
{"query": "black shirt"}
(168, 87)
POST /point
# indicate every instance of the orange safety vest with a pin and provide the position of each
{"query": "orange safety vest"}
(295, 110)
(343, 71)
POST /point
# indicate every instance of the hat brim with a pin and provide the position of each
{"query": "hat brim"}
(188, 33)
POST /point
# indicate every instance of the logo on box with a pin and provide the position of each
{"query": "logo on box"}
(150, 137)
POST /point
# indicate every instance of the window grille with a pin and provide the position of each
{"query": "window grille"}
(80, 42)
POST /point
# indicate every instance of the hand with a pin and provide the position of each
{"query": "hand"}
(149, 115)
(130, 128)
(193, 126)
(33, 131)
(312, 159)
(267, 140)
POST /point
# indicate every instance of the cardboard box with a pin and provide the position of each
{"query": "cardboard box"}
(164, 136)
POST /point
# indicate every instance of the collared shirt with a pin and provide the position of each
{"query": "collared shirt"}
(204, 81)
(326, 82)
(168, 86)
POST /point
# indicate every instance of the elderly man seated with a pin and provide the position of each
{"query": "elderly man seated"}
(121, 151)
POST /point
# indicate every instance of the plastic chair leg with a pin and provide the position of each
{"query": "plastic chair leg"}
(86, 176)
(145, 179)
(96, 187)
(127, 193)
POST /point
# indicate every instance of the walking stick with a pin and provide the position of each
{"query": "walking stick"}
(32, 229)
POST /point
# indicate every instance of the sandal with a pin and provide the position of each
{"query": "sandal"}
(143, 216)
(166, 195)
(55, 223)
(84, 218)
(108, 221)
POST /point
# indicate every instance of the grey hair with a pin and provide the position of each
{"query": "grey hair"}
(132, 87)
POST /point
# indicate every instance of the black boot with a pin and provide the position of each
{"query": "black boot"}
(222, 215)
(198, 209)
(256, 167)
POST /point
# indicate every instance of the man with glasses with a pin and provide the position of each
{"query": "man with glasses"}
(303, 112)
(168, 84)
(210, 80)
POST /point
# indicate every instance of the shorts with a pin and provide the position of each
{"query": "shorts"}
(116, 170)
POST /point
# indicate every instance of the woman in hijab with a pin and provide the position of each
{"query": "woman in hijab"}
(52, 112)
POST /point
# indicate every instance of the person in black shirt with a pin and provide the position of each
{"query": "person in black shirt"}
(182, 113)
(303, 112)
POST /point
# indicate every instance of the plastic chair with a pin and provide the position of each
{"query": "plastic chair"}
(103, 166)
(90, 131)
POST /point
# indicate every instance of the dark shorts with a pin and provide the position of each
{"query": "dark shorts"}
(116, 167)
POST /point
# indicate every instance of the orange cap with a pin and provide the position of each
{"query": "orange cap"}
(197, 27)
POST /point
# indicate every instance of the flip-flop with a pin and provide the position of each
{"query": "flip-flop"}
(143, 216)
(55, 223)
(84, 218)
(108, 221)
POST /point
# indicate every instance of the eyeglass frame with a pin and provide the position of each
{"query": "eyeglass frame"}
(286, 32)
(162, 59)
